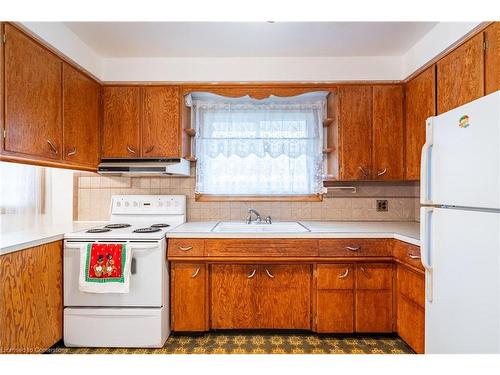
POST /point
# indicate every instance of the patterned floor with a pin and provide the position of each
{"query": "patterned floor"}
(269, 343)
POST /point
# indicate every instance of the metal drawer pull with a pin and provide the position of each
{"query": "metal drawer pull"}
(253, 273)
(133, 266)
(195, 273)
(269, 274)
(353, 248)
(150, 149)
(53, 148)
(344, 275)
(363, 170)
(382, 172)
(187, 248)
(365, 273)
(130, 149)
(413, 256)
(72, 151)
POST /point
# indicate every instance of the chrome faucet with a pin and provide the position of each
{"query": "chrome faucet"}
(257, 216)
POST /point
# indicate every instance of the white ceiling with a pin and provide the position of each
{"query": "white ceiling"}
(249, 39)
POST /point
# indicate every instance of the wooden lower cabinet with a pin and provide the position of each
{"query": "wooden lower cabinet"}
(31, 305)
(189, 297)
(260, 296)
(374, 298)
(410, 301)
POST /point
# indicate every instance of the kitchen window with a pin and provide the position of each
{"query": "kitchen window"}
(258, 148)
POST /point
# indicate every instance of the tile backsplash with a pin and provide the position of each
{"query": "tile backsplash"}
(92, 197)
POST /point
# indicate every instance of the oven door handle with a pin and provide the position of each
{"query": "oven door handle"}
(155, 246)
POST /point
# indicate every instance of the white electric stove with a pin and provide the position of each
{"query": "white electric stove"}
(139, 318)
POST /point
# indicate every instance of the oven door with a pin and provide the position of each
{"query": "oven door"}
(148, 279)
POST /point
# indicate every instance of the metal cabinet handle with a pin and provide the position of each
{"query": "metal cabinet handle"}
(130, 149)
(269, 274)
(52, 147)
(365, 273)
(133, 266)
(187, 248)
(253, 273)
(72, 152)
(382, 172)
(196, 272)
(363, 171)
(149, 149)
(344, 275)
(413, 256)
(350, 248)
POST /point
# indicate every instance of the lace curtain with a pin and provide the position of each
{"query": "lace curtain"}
(20, 189)
(246, 146)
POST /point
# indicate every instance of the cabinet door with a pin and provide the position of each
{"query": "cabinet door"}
(460, 75)
(388, 139)
(283, 297)
(32, 97)
(189, 312)
(233, 296)
(161, 124)
(355, 129)
(80, 117)
(334, 298)
(121, 117)
(420, 104)
(374, 298)
(492, 58)
(410, 307)
(31, 305)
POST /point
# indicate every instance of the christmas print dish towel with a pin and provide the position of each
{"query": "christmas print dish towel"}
(105, 268)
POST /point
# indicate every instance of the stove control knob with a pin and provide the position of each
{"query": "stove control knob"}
(160, 204)
(118, 204)
(127, 204)
(135, 204)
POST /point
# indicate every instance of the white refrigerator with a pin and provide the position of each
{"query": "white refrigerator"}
(460, 228)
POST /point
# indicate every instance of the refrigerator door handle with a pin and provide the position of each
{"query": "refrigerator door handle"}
(426, 248)
(425, 168)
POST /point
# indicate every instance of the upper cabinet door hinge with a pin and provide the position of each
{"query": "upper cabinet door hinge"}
(486, 45)
(4, 38)
(4, 133)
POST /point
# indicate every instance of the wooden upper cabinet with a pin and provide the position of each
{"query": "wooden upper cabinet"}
(355, 132)
(80, 117)
(189, 297)
(460, 75)
(420, 104)
(161, 123)
(492, 58)
(388, 133)
(32, 97)
(121, 122)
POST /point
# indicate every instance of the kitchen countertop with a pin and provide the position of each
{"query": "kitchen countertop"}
(40, 232)
(405, 231)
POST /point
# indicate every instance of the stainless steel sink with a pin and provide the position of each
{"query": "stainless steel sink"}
(276, 227)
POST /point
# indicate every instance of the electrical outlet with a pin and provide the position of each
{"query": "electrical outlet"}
(382, 205)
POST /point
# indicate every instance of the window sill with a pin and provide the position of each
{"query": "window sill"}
(258, 198)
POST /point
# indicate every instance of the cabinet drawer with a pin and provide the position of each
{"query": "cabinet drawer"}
(355, 247)
(261, 248)
(374, 276)
(407, 253)
(335, 276)
(412, 285)
(186, 247)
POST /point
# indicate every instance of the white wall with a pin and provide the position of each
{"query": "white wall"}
(437, 40)
(252, 69)
(64, 40)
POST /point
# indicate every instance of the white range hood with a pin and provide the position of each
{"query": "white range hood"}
(145, 167)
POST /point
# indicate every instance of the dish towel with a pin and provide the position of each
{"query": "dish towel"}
(105, 268)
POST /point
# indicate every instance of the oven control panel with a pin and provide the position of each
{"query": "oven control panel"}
(148, 204)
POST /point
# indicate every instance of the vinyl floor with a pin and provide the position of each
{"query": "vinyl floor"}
(262, 343)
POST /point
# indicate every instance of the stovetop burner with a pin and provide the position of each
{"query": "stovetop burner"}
(99, 230)
(117, 226)
(160, 225)
(147, 230)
